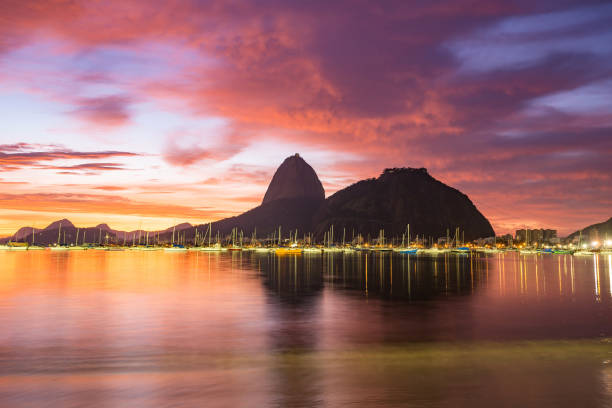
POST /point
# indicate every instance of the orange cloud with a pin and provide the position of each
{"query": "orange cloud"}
(92, 203)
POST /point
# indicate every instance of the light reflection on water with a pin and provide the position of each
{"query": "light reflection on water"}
(245, 329)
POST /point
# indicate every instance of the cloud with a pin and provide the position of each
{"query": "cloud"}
(187, 148)
(499, 98)
(25, 155)
(88, 168)
(92, 203)
(521, 41)
(105, 110)
(110, 188)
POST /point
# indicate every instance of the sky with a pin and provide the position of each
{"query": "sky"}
(144, 114)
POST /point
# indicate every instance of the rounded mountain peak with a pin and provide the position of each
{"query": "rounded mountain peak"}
(294, 179)
(64, 223)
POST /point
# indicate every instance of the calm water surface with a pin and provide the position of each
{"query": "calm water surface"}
(140, 329)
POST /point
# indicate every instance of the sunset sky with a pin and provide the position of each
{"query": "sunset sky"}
(149, 113)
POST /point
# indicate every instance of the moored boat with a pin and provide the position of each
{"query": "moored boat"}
(408, 251)
(287, 251)
(175, 249)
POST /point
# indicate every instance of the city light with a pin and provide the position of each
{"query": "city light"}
(609, 242)
(595, 243)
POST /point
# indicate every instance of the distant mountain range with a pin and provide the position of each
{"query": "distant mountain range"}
(64, 231)
(295, 200)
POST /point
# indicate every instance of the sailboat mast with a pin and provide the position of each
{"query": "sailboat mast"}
(408, 234)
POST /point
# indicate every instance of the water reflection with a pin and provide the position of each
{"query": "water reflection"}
(384, 276)
(248, 329)
(420, 278)
(451, 297)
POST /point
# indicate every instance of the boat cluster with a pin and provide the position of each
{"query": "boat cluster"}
(297, 248)
(283, 245)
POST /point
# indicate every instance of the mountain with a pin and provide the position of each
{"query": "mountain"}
(294, 179)
(89, 235)
(402, 196)
(398, 197)
(178, 227)
(598, 232)
(53, 234)
(288, 213)
(64, 223)
(295, 199)
(23, 232)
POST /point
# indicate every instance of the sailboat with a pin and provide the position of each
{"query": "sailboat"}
(583, 248)
(405, 247)
(457, 248)
(212, 248)
(33, 246)
(76, 246)
(57, 246)
(292, 249)
(235, 246)
(176, 248)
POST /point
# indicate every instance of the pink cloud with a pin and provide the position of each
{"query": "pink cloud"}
(105, 111)
(25, 155)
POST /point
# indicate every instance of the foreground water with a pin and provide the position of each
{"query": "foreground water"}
(132, 329)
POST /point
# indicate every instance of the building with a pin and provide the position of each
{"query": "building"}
(536, 236)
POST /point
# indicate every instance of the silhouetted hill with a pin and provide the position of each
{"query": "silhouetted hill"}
(293, 197)
(23, 232)
(65, 223)
(178, 227)
(600, 231)
(52, 234)
(295, 200)
(68, 234)
(289, 213)
(294, 179)
(397, 198)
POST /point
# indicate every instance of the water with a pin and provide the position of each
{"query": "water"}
(140, 329)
